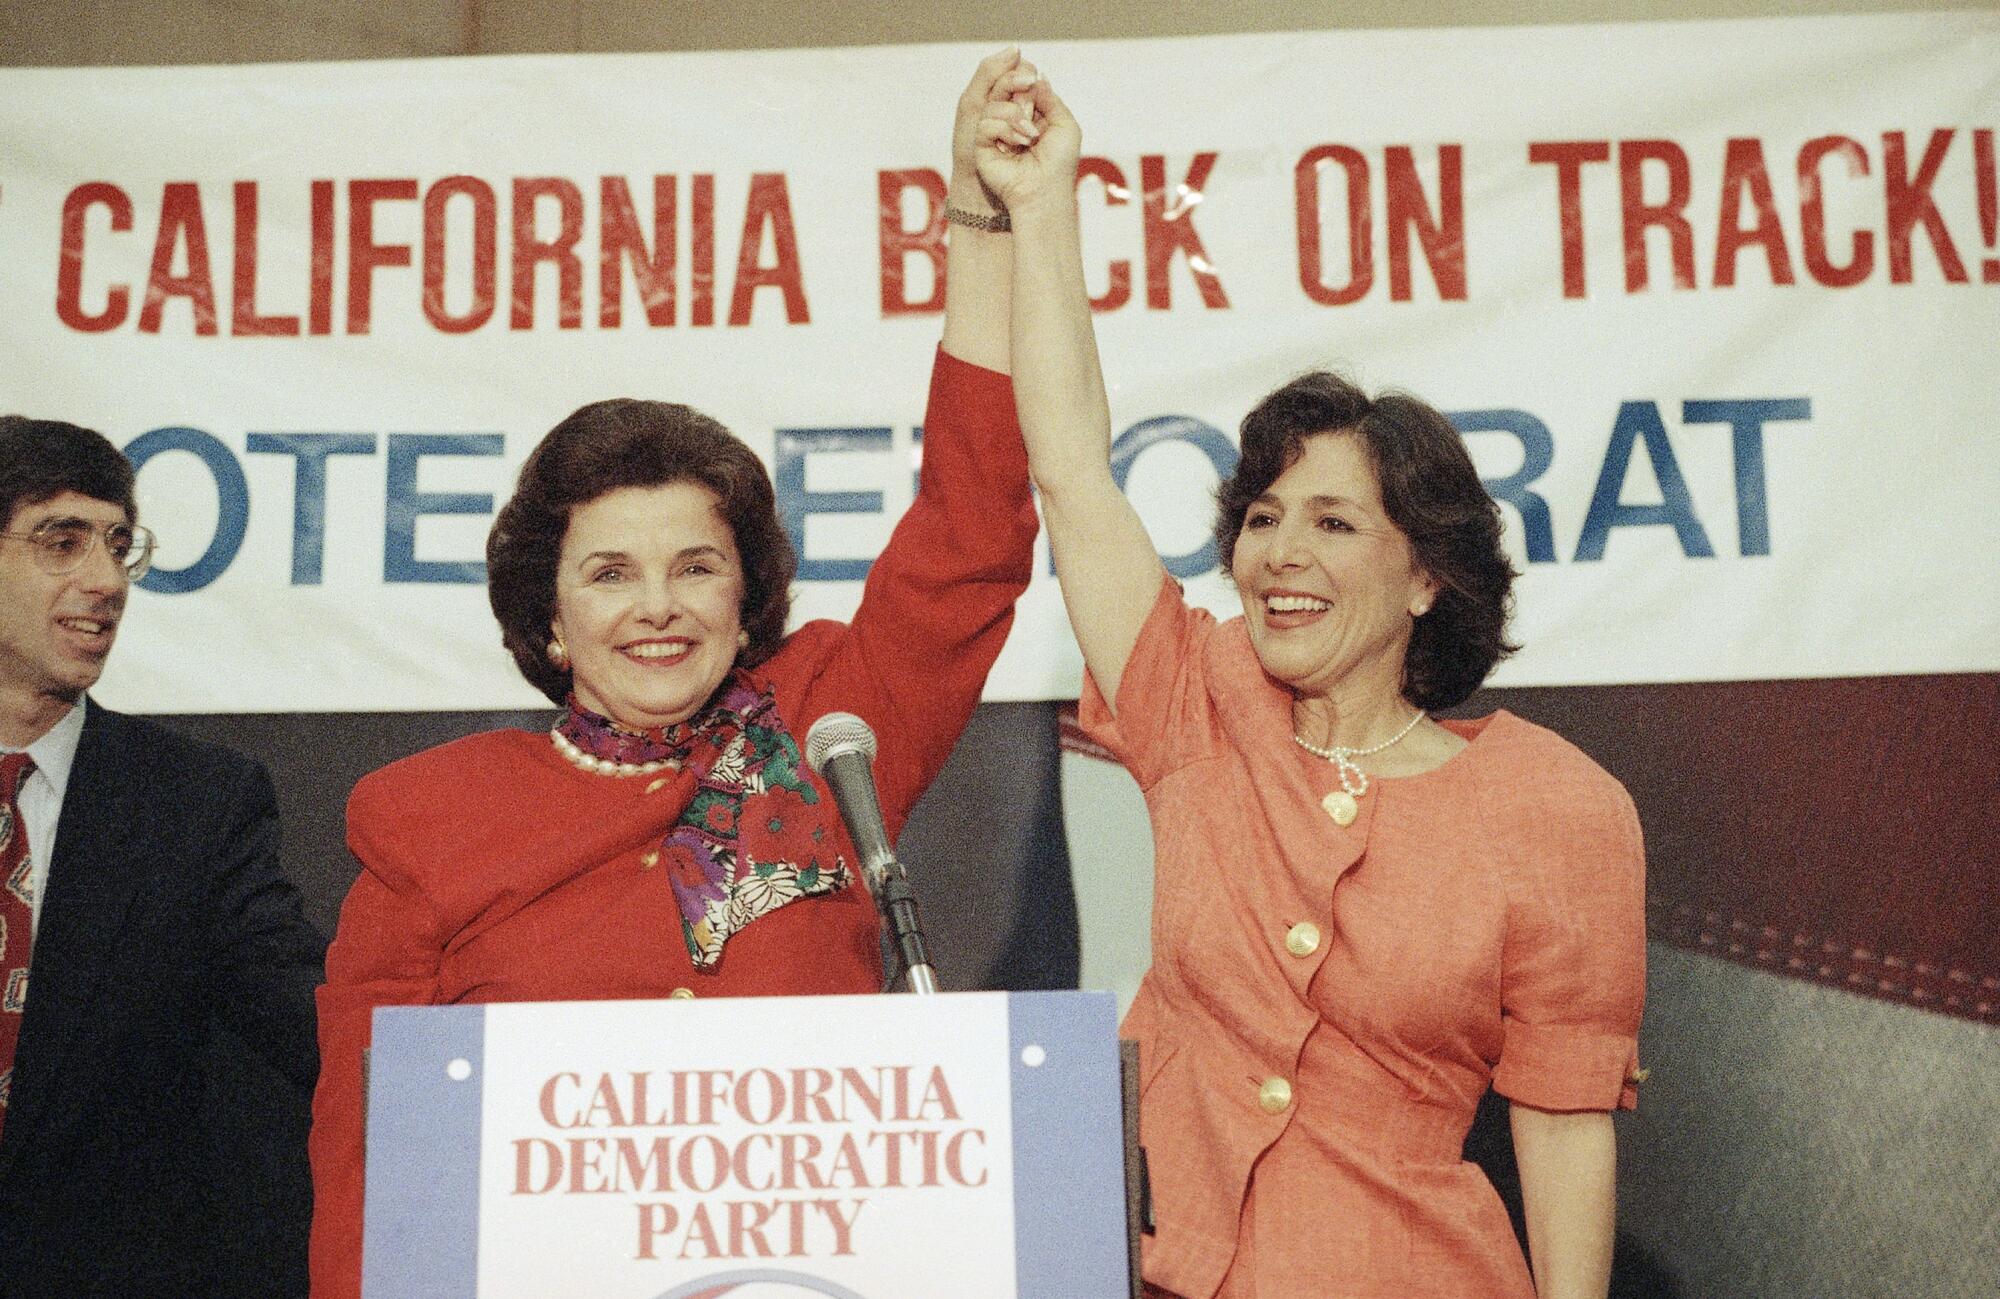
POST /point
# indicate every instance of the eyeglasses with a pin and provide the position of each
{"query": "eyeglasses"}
(62, 545)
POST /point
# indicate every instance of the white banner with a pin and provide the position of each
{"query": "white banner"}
(554, 1161)
(1716, 303)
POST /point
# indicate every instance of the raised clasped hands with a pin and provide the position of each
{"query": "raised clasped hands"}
(998, 79)
(1025, 141)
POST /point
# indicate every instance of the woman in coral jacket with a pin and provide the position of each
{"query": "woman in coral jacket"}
(664, 838)
(1363, 917)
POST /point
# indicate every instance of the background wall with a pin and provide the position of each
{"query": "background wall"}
(1795, 1139)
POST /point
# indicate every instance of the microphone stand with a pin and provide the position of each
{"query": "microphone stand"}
(840, 747)
(898, 906)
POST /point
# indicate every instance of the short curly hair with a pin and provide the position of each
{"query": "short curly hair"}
(625, 442)
(1431, 493)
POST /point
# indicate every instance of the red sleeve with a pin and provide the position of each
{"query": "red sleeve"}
(1166, 717)
(940, 599)
(1573, 971)
(386, 952)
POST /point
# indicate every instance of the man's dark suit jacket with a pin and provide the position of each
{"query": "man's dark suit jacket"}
(165, 919)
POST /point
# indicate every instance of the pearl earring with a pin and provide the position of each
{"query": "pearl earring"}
(559, 655)
(742, 639)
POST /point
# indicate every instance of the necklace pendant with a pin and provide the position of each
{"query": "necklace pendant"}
(1342, 806)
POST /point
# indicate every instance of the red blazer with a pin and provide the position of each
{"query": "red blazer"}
(493, 870)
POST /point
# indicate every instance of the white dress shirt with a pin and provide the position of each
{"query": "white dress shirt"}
(42, 798)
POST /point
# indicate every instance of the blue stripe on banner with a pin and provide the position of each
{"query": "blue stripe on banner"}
(421, 1225)
(1069, 1160)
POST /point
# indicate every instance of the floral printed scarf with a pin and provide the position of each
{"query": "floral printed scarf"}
(756, 834)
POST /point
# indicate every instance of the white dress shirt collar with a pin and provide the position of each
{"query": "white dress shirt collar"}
(55, 752)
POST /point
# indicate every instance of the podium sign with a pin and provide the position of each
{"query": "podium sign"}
(968, 1144)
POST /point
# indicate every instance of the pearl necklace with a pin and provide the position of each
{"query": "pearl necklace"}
(1343, 805)
(605, 766)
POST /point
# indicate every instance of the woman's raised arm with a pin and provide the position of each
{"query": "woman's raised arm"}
(1109, 570)
(979, 263)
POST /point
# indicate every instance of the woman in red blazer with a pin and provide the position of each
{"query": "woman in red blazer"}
(664, 838)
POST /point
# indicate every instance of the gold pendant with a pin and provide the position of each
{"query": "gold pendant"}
(1341, 806)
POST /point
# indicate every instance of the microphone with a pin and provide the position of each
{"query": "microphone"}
(840, 749)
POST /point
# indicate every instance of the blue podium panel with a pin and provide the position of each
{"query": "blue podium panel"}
(967, 1145)
(422, 1209)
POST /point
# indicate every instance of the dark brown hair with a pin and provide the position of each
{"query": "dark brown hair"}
(628, 443)
(1431, 493)
(43, 458)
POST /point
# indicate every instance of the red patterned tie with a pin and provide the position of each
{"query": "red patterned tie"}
(17, 916)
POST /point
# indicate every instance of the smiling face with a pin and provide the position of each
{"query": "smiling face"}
(649, 600)
(1330, 587)
(56, 629)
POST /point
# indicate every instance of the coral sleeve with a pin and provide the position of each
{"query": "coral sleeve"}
(1573, 974)
(1165, 715)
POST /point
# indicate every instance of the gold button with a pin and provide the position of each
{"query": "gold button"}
(1275, 1096)
(650, 860)
(1638, 1076)
(682, 994)
(656, 784)
(1340, 805)
(1302, 939)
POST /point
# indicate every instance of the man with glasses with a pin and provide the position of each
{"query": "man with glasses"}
(141, 908)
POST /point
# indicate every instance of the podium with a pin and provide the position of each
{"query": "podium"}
(966, 1145)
